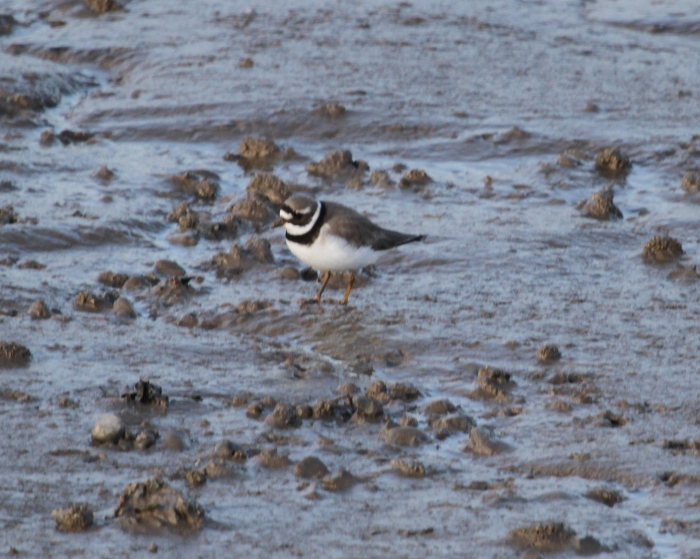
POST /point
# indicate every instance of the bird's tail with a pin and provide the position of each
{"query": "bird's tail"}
(392, 239)
(414, 239)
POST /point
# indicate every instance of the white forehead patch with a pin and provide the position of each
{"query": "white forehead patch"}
(285, 215)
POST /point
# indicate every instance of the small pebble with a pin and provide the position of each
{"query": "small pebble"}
(226, 449)
(145, 439)
(367, 407)
(39, 310)
(105, 174)
(439, 407)
(195, 478)
(270, 459)
(75, 518)
(347, 389)
(254, 411)
(310, 468)
(108, 429)
(175, 440)
(122, 308)
(169, 268)
(548, 354)
(405, 436)
(409, 468)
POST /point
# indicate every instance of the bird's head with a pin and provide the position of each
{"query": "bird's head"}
(298, 214)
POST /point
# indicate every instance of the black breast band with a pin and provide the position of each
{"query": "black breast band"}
(312, 235)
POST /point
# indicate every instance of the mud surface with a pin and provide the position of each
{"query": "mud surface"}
(523, 383)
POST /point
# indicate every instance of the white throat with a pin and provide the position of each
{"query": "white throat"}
(297, 230)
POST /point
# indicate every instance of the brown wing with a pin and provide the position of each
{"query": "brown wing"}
(360, 231)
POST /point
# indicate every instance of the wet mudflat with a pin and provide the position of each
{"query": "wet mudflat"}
(522, 384)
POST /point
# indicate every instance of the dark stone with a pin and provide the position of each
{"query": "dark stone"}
(147, 393)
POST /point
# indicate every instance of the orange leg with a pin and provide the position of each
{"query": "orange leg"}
(323, 286)
(347, 293)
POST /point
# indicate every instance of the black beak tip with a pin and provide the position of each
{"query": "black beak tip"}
(278, 223)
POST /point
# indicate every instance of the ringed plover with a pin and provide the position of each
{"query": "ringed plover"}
(334, 238)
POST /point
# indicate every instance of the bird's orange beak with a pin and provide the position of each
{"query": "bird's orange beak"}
(277, 223)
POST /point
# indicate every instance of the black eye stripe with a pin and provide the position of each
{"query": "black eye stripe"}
(295, 215)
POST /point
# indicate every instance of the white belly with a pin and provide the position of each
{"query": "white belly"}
(333, 254)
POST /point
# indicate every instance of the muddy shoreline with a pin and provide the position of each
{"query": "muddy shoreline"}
(520, 385)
